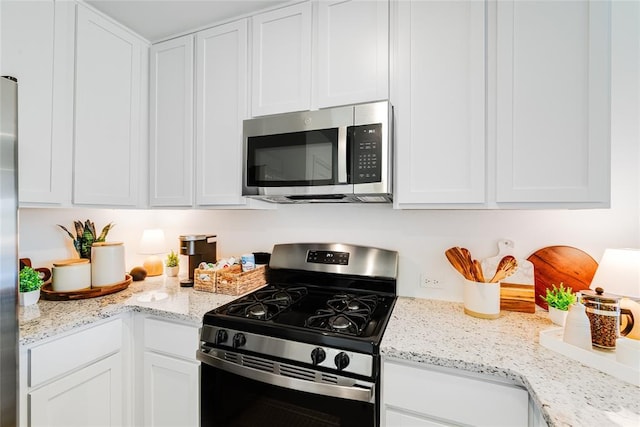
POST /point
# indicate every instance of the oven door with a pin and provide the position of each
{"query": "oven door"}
(303, 153)
(273, 394)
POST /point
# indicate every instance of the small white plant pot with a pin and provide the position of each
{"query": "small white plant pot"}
(558, 317)
(29, 298)
(482, 299)
(172, 271)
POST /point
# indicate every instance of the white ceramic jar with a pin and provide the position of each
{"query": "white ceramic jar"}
(71, 275)
(107, 260)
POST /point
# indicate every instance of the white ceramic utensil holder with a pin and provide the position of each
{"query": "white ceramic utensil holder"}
(482, 299)
(107, 260)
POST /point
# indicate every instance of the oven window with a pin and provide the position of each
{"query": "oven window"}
(293, 159)
(234, 401)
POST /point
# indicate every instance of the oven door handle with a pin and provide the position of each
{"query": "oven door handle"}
(361, 394)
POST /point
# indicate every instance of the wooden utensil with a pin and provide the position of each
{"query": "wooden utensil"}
(561, 264)
(457, 260)
(506, 268)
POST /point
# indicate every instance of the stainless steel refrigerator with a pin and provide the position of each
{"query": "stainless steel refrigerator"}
(8, 252)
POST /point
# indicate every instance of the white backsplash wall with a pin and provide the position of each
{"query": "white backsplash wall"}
(421, 237)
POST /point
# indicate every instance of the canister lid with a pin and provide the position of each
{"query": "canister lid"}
(600, 296)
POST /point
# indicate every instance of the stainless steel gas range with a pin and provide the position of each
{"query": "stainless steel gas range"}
(303, 350)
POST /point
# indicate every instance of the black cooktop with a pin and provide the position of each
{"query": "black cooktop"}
(347, 318)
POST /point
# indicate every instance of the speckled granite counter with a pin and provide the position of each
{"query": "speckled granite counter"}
(424, 331)
(159, 295)
(568, 393)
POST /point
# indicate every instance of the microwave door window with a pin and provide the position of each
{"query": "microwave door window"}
(293, 159)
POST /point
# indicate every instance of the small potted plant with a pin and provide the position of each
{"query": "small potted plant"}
(172, 264)
(559, 299)
(30, 283)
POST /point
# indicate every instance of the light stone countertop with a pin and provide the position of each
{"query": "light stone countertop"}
(160, 295)
(424, 331)
(568, 392)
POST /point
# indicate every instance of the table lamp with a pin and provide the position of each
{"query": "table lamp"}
(619, 273)
(152, 244)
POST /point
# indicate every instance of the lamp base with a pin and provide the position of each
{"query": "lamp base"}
(153, 265)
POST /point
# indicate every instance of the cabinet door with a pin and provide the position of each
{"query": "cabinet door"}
(440, 394)
(281, 66)
(171, 391)
(107, 112)
(394, 418)
(440, 102)
(221, 98)
(37, 49)
(171, 123)
(353, 52)
(553, 102)
(92, 396)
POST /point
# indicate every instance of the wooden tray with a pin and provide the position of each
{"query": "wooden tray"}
(48, 293)
(561, 264)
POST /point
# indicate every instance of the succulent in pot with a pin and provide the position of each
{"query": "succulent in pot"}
(86, 235)
(559, 300)
(29, 286)
(172, 264)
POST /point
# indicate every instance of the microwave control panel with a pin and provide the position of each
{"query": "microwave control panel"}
(367, 153)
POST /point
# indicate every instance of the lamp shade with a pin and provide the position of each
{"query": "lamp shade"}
(619, 272)
(152, 242)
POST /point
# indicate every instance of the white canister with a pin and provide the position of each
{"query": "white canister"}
(107, 260)
(481, 299)
(67, 277)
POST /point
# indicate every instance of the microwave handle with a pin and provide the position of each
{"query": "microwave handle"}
(342, 154)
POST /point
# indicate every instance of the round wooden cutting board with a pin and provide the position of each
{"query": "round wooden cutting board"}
(561, 264)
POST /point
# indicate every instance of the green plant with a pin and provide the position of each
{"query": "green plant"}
(30, 280)
(172, 260)
(560, 298)
(86, 236)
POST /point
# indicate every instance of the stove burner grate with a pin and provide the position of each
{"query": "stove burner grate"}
(345, 314)
(266, 303)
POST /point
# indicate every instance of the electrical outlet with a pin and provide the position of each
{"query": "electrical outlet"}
(429, 282)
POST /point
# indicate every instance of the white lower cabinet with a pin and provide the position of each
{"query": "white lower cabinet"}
(417, 395)
(91, 396)
(79, 379)
(170, 391)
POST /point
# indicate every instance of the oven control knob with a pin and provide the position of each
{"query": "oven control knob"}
(342, 360)
(239, 340)
(318, 355)
(222, 336)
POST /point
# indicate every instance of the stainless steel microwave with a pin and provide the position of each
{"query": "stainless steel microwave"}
(341, 154)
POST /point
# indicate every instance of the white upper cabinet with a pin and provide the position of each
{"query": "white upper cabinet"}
(281, 70)
(352, 63)
(221, 105)
(439, 99)
(516, 118)
(171, 139)
(37, 49)
(553, 102)
(108, 121)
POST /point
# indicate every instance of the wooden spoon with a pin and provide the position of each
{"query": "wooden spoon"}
(477, 270)
(506, 267)
(459, 262)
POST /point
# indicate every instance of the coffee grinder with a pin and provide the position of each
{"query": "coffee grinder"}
(199, 248)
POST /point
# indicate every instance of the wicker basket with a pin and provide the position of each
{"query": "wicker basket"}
(233, 281)
(204, 280)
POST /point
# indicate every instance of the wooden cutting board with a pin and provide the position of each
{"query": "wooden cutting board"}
(561, 264)
(517, 291)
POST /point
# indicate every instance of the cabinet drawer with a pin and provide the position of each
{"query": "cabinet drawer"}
(73, 351)
(171, 338)
(441, 395)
